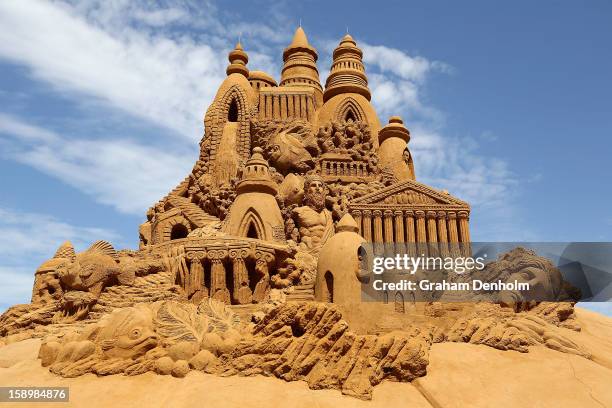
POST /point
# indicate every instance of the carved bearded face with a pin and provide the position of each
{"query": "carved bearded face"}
(314, 194)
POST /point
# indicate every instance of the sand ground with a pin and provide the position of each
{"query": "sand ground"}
(459, 375)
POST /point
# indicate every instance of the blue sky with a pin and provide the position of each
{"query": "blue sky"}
(101, 107)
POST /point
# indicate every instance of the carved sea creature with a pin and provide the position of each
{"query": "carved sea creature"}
(286, 152)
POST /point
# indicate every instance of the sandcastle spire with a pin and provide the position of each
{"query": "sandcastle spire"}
(238, 59)
(300, 63)
(347, 74)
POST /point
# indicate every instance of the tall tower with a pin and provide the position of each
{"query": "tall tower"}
(347, 73)
(300, 65)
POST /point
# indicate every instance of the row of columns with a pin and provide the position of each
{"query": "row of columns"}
(236, 259)
(344, 168)
(422, 227)
(285, 106)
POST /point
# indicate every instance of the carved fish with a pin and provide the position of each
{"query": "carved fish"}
(127, 333)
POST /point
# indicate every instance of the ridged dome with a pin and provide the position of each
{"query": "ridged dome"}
(347, 74)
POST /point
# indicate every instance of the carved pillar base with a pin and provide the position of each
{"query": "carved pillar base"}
(262, 288)
(218, 288)
(241, 292)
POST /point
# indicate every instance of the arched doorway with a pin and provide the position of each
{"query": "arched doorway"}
(232, 112)
(329, 287)
(399, 303)
(178, 231)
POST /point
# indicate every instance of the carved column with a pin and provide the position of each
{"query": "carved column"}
(432, 233)
(399, 226)
(453, 234)
(218, 285)
(283, 107)
(388, 230)
(310, 108)
(464, 233)
(367, 225)
(357, 217)
(262, 287)
(421, 232)
(442, 233)
(276, 107)
(378, 227)
(303, 107)
(194, 284)
(269, 111)
(410, 232)
(241, 292)
(290, 107)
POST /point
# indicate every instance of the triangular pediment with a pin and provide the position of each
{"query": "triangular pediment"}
(410, 192)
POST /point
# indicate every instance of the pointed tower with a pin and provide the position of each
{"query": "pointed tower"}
(300, 65)
(347, 73)
(347, 96)
(238, 60)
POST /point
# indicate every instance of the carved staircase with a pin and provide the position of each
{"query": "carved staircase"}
(301, 293)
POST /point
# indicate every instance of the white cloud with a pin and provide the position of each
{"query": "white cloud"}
(118, 172)
(152, 76)
(129, 55)
(400, 64)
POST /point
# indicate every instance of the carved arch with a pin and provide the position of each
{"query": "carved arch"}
(235, 98)
(252, 223)
(399, 302)
(350, 108)
(165, 232)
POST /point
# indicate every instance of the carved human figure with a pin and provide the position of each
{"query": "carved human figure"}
(313, 220)
(408, 160)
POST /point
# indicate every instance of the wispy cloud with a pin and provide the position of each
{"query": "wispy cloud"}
(122, 173)
(162, 62)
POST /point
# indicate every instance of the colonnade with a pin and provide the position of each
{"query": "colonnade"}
(281, 106)
(235, 274)
(435, 232)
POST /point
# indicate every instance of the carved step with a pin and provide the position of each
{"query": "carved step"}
(301, 293)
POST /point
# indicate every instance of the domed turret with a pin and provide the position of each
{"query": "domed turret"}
(300, 64)
(238, 60)
(338, 268)
(393, 152)
(256, 175)
(347, 74)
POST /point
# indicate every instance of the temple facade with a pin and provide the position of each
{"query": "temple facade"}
(280, 164)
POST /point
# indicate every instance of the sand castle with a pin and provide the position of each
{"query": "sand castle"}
(250, 266)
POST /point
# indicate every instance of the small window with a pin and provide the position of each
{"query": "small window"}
(252, 231)
(350, 117)
(232, 113)
(179, 231)
(329, 286)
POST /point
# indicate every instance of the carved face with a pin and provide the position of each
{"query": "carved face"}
(406, 155)
(314, 194)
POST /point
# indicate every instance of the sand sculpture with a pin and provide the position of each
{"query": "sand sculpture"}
(250, 265)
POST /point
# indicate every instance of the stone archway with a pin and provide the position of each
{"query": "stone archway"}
(399, 303)
(329, 287)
